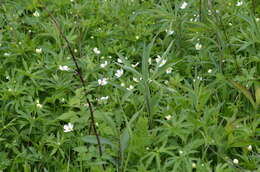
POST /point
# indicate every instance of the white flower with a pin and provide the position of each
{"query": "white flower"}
(193, 165)
(183, 5)
(110, 57)
(62, 100)
(71, 0)
(122, 84)
(137, 37)
(136, 79)
(96, 50)
(38, 50)
(169, 70)
(249, 148)
(92, 37)
(210, 71)
(38, 104)
(168, 117)
(64, 68)
(199, 78)
(75, 50)
(198, 46)
(239, 3)
(235, 161)
(257, 19)
(102, 81)
(7, 54)
(180, 152)
(20, 43)
(119, 73)
(103, 65)
(68, 127)
(170, 32)
(130, 88)
(104, 98)
(7, 77)
(230, 24)
(36, 14)
(119, 60)
(160, 61)
(135, 65)
(150, 61)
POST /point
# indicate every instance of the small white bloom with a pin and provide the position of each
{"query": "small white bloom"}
(7, 77)
(168, 117)
(30, 31)
(239, 3)
(209, 12)
(166, 82)
(135, 65)
(147, 148)
(0, 44)
(92, 37)
(122, 84)
(230, 24)
(162, 63)
(183, 5)
(198, 46)
(104, 98)
(110, 57)
(135, 79)
(193, 165)
(235, 161)
(158, 59)
(96, 124)
(210, 71)
(169, 32)
(102, 57)
(20, 43)
(62, 100)
(68, 127)
(169, 70)
(119, 60)
(249, 148)
(38, 104)
(36, 14)
(102, 81)
(38, 50)
(257, 19)
(180, 152)
(199, 78)
(103, 65)
(119, 73)
(217, 11)
(150, 61)
(64, 68)
(96, 50)
(137, 37)
(7, 54)
(71, 0)
(75, 50)
(130, 88)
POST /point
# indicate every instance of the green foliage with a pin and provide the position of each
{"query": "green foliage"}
(173, 87)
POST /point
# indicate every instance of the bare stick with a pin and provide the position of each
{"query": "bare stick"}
(82, 82)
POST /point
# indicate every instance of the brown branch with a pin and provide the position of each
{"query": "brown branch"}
(78, 71)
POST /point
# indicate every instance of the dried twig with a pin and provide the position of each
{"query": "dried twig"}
(82, 82)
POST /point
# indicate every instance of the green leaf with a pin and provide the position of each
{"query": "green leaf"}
(124, 140)
(244, 90)
(67, 115)
(93, 140)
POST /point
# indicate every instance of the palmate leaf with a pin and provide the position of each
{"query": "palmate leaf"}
(245, 91)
